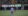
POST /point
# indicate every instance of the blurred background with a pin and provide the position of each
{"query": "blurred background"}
(10, 3)
(8, 6)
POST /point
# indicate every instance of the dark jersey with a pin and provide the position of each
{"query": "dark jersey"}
(15, 8)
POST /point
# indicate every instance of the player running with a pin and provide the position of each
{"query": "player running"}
(17, 8)
(12, 9)
(22, 7)
(5, 9)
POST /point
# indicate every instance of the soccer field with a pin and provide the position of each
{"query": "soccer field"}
(17, 13)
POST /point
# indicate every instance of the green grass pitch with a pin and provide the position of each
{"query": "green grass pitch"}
(17, 13)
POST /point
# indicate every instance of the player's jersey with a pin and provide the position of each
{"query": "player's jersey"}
(22, 7)
(12, 9)
(17, 7)
(4, 8)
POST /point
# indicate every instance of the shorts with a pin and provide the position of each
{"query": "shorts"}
(17, 8)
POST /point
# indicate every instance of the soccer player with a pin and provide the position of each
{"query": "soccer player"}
(17, 8)
(12, 9)
(5, 9)
(22, 7)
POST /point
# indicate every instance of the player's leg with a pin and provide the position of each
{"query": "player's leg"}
(11, 13)
(4, 11)
(15, 10)
(22, 9)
